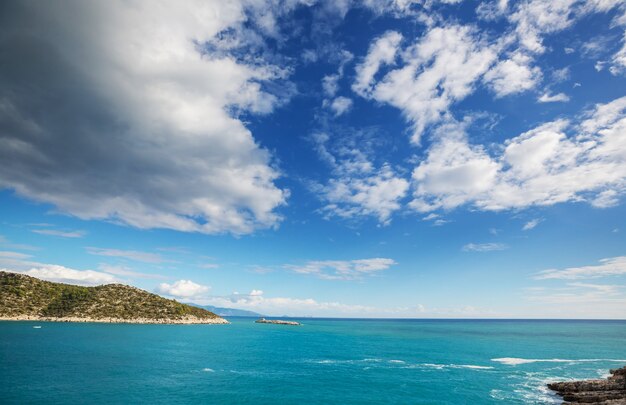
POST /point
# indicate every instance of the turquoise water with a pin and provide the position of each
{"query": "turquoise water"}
(324, 361)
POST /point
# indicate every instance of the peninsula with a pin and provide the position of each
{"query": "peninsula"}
(611, 391)
(278, 322)
(28, 298)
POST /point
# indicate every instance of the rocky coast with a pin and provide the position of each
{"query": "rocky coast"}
(611, 391)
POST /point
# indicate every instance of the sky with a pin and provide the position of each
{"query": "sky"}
(375, 158)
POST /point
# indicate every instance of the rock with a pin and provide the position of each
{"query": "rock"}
(277, 322)
(611, 391)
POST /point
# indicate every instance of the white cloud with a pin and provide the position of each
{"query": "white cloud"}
(183, 289)
(543, 166)
(378, 194)
(553, 98)
(484, 247)
(258, 302)
(606, 199)
(154, 93)
(618, 61)
(453, 172)
(492, 10)
(341, 105)
(532, 224)
(536, 18)
(580, 300)
(127, 271)
(381, 52)
(330, 83)
(614, 266)
(343, 269)
(61, 274)
(356, 187)
(134, 255)
(560, 75)
(513, 75)
(445, 64)
(63, 234)
(23, 263)
(438, 70)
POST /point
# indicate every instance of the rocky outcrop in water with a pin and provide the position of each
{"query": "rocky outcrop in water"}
(611, 391)
(277, 322)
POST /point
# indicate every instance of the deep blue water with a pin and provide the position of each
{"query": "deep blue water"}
(324, 361)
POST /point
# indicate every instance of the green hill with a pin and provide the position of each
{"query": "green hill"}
(25, 297)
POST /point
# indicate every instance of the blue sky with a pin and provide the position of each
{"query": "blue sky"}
(361, 159)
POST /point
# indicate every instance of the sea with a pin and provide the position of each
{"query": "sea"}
(324, 361)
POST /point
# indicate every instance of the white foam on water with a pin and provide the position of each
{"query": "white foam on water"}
(445, 366)
(37, 327)
(473, 367)
(397, 361)
(516, 361)
(208, 370)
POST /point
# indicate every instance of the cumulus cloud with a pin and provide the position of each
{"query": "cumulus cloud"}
(536, 18)
(357, 186)
(559, 161)
(443, 66)
(63, 274)
(614, 266)
(553, 98)
(381, 52)
(128, 112)
(185, 289)
(343, 269)
(341, 105)
(377, 194)
(23, 263)
(437, 70)
(484, 247)
(513, 75)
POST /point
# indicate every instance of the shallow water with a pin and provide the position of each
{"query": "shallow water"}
(324, 361)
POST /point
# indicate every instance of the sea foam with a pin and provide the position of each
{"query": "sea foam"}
(515, 361)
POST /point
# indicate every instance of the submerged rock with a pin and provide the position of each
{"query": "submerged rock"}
(611, 391)
(277, 322)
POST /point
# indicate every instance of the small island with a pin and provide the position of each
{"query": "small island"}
(278, 322)
(25, 298)
(611, 391)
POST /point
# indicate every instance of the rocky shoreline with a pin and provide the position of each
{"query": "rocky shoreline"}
(189, 320)
(611, 391)
(278, 322)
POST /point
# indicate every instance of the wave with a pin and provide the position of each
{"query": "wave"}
(208, 370)
(515, 361)
(444, 366)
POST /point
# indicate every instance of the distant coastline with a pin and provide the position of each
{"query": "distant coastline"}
(147, 321)
(25, 298)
